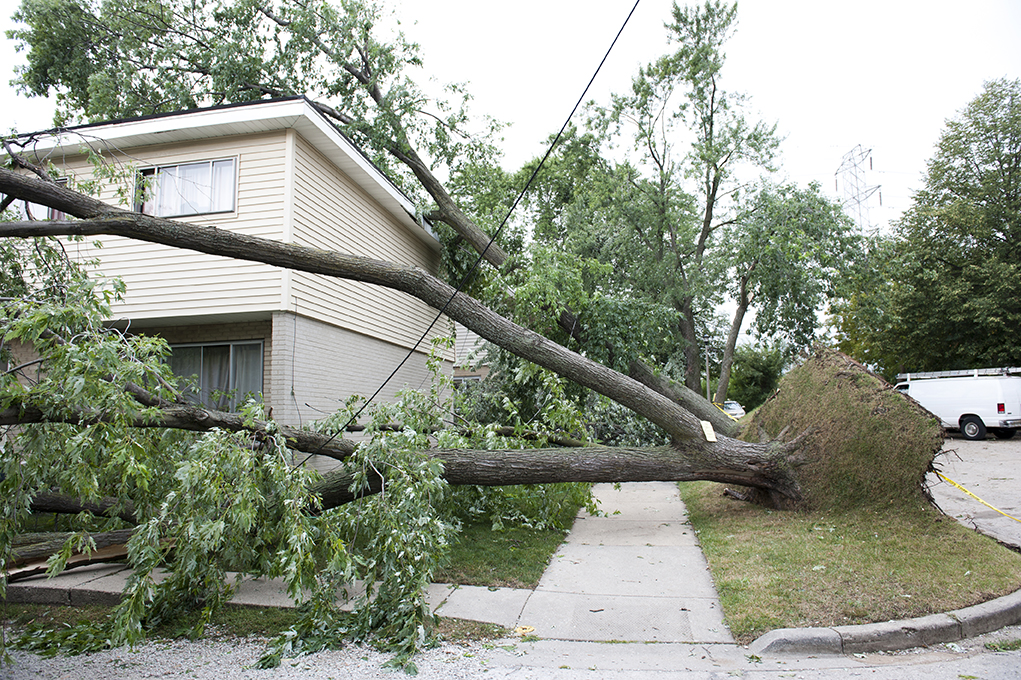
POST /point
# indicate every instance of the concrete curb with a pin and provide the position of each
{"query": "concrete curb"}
(894, 635)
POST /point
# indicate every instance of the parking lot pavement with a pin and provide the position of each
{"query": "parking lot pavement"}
(989, 469)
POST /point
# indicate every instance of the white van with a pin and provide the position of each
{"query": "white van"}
(973, 401)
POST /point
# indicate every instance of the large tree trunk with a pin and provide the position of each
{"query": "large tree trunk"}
(731, 346)
(692, 361)
(748, 465)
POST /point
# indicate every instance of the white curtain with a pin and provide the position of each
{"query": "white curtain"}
(216, 376)
(195, 188)
(186, 362)
(223, 186)
(247, 371)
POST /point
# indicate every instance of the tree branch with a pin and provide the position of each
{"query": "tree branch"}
(190, 418)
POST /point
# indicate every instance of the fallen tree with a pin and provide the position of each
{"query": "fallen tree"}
(211, 523)
(716, 457)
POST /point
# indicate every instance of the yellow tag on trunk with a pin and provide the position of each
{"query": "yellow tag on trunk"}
(710, 434)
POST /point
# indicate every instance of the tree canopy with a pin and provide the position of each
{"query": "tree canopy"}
(686, 222)
(944, 291)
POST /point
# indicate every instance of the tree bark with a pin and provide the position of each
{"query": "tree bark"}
(100, 218)
(731, 346)
(692, 355)
(189, 418)
(54, 543)
(67, 505)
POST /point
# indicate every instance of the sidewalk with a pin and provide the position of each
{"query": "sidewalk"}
(988, 469)
(635, 574)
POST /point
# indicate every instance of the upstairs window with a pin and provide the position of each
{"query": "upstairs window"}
(223, 374)
(188, 189)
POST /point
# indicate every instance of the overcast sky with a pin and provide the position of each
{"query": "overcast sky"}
(883, 74)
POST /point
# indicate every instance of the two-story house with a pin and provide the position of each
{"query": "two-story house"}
(278, 170)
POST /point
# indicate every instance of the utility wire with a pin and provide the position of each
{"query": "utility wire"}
(510, 211)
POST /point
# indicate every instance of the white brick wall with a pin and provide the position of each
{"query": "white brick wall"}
(316, 367)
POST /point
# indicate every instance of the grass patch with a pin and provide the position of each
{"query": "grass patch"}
(1004, 646)
(461, 631)
(513, 557)
(21, 615)
(777, 569)
(232, 620)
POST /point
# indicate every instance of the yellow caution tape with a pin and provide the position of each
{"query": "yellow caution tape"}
(952, 482)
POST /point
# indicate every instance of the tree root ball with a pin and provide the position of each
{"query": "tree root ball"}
(865, 443)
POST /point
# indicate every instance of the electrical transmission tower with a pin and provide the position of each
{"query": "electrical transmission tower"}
(851, 174)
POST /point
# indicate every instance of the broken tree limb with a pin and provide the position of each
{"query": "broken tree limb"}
(32, 560)
(191, 418)
(68, 505)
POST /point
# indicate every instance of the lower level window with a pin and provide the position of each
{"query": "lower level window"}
(223, 374)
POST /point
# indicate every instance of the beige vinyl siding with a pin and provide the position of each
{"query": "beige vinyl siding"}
(168, 282)
(331, 212)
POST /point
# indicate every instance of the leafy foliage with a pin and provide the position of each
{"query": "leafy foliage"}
(678, 228)
(123, 58)
(215, 508)
(943, 292)
(786, 253)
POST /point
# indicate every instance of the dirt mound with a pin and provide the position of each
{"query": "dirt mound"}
(865, 444)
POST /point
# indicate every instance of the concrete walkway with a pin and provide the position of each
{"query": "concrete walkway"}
(635, 574)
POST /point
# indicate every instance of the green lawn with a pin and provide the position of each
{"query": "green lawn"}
(792, 569)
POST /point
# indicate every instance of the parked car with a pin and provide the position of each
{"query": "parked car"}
(973, 401)
(733, 409)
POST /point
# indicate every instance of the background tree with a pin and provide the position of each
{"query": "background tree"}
(676, 226)
(784, 254)
(756, 374)
(688, 136)
(952, 297)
